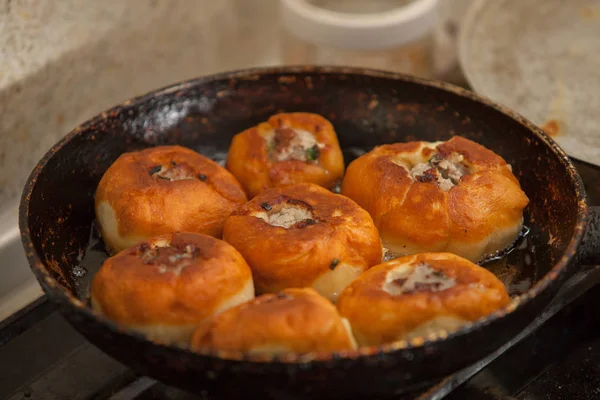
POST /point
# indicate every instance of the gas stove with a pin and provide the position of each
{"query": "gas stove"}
(556, 357)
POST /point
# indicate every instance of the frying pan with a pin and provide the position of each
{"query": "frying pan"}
(367, 108)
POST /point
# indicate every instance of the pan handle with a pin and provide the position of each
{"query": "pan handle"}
(589, 250)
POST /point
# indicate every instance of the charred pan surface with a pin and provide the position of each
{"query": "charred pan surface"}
(55, 224)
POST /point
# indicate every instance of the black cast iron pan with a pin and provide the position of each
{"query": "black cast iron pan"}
(367, 108)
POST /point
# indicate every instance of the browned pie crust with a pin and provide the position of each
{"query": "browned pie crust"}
(291, 321)
(161, 190)
(166, 286)
(331, 242)
(272, 155)
(473, 212)
(419, 295)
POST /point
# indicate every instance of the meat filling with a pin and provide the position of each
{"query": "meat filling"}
(175, 172)
(445, 171)
(293, 144)
(168, 258)
(387, 255)
(421, 278)
(290, 214)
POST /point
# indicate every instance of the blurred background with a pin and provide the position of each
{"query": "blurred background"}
(62, 62)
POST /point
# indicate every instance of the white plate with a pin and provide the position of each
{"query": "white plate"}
(542, 59)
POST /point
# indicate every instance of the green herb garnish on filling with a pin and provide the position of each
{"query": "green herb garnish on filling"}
(334, 264)
(313, 153)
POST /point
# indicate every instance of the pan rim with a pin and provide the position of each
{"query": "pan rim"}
(57, 293)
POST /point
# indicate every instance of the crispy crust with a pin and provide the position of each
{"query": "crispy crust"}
(296, 257)
(248, 157)
(294, 320)
(144, 206)
(377, 317)
(482, 214)
(136, 292)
